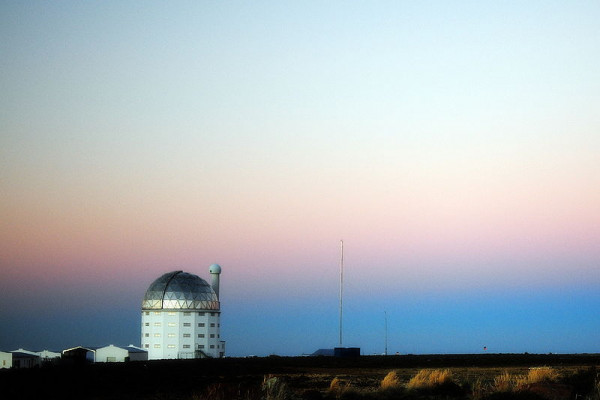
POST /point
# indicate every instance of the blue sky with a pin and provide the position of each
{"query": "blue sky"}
(453, 146)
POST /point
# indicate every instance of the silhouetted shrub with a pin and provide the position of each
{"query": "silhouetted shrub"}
(514, 396)
(583, 381)
(311, 394)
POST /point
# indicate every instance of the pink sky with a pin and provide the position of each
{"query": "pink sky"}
(453, 149)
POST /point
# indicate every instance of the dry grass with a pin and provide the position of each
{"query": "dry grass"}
(222, 391)
(505, 382)
(275, 388)
(338, 387)
(391, 380)
(335, 385)
(511, 383)
(542, 374)
(430, 378)
(479, 389)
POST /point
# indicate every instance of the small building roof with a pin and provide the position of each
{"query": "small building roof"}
(22, 350)
(134, 349)
(323, 352)
(131, 348)
(93, 349)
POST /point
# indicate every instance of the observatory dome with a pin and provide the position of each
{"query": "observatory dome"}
(180, 290)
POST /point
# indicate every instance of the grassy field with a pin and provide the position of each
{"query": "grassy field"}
(489, 376)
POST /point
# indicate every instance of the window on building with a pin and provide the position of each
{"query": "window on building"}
(171, 346)
(170, 335)
(218, 335)
(212, 314)
(201, 335)
(157, 346)
(187, 324)
(186, 346)
(186, 335)
(146, 345)
(218, 325)
(201, 314)
(186, 313)
(147, 324)
(157, 335)
(146, 334)
(212, 346)
(147, 312)
(212, 335)
(157, 324)
(201, 325)
(171, 324)
(156, 312)
(172, 313)
(212, 325)
(200, 346)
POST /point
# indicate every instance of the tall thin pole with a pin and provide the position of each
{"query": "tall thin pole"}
(341, 286)
(385, 313)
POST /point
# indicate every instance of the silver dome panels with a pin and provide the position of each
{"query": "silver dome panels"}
(180, 290)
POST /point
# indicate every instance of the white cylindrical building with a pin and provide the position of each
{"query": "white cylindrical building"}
(215, 272)
(181, 318)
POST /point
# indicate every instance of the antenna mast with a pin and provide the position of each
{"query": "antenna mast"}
(341, 285)
(386, 332)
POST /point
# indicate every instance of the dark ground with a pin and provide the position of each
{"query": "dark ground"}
(193, 379)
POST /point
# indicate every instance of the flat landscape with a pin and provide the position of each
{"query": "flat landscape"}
(481, 376)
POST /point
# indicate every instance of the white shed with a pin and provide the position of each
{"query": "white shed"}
(5, 359)
(137, 353)
(47, 355)
(79, 355)
(113, 353)
(25, 360)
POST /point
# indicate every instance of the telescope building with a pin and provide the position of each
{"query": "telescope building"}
(181, 317)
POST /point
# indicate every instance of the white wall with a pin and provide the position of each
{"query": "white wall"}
(170, 334)
(5, 360)
(111, 354)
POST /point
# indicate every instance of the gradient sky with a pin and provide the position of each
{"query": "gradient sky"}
(453, 146)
